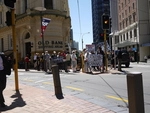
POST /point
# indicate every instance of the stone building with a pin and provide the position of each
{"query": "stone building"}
(29, 14)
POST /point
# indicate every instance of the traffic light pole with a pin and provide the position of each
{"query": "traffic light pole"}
(14, 49)
(105, 45)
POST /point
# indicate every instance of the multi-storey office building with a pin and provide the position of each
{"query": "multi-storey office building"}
(134, 33)
(113, 36)
(28, 26)
(99, 7)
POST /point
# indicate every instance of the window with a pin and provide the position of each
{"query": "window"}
(134, 16)
(130, 34)
(126, 22)
(133, 5)
(125, 12)
(122, 6)
(27, 36)
(122, 15)
(120, 26)
(127, 36)
(130, 19)
(123, 36)
(129, 9)
(24, 5)
(48, 4)
(123, 24)
(135, 33)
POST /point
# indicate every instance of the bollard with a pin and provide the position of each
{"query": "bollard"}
(57, 84)
(135, 92)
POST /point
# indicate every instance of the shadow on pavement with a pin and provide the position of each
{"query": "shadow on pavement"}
(18, 102)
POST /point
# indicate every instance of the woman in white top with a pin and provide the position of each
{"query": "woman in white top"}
(74, 61)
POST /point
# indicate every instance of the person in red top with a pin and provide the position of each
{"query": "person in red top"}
(63, 54)
(27, 60)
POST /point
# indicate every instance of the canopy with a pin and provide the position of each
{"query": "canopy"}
(125, 43)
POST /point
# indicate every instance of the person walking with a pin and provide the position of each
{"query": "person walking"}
(47, 61)
(34, 60)
(119, 57)
(86, 63)
(74, 61)
(27, 60)
(112, 59)
(5, 67)
(68, 60)
(100, 51)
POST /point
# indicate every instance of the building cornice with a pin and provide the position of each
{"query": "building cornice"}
(128, 28)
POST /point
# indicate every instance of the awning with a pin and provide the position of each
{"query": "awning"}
(8, 52)
(125, 43)
(146, 44)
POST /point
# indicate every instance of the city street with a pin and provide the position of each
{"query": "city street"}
(108, 90)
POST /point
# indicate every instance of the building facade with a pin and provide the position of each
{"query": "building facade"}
(28, 27)
(99, 7)
(133, 28)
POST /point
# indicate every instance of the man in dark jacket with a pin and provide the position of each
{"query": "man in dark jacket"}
(3, 71)
(119, 57)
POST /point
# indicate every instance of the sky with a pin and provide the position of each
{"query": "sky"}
(81, 21)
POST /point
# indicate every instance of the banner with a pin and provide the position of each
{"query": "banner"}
(45, 22)
(90, 48)
(95, 60)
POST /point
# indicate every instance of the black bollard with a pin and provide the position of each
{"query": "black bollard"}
(57, 84)
(135, 92)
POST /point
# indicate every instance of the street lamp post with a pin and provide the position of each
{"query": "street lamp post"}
(41, 18)
(82, 38)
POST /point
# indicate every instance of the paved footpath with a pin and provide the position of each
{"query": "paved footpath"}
(30, 99)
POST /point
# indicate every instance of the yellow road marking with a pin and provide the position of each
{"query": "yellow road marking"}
(113, 97)
(74, 88)
(47, 83)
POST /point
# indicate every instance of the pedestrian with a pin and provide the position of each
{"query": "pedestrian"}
(112, 59)
(68, 60)
(74, 61)
(145, 58)
(86, 63)
(27, 60)
(34, 60)
(119, 57)
(47, 61)
(5, 69)
(100, 51)
(42, 61)
(38, 62)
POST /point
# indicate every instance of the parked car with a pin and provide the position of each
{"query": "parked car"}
(125, 58)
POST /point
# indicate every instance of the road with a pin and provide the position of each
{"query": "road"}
(106, 90)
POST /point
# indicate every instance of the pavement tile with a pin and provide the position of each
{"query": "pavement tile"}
(30, 99)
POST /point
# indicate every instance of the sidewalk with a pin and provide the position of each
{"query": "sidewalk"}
(35, 100)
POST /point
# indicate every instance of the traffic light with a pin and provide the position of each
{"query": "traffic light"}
(105, 22)
(110, 22)
(8, 18)
(9, 3)
(102, 34)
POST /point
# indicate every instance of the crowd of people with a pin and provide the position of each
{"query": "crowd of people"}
(85, 60)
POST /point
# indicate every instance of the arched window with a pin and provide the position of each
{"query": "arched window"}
(48, 4)
(27, 35)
